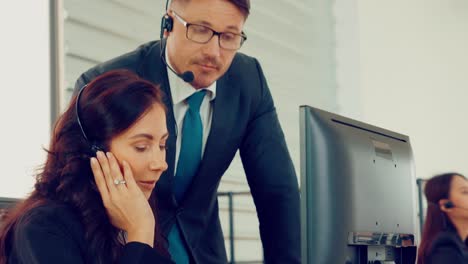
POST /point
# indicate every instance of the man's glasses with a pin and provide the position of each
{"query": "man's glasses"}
(203, 34)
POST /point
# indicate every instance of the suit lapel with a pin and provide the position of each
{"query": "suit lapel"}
(220, 105)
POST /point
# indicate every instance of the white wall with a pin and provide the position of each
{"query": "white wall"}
(412, 69)
(24, 93)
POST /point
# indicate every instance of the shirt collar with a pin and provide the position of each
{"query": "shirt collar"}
(181, 90)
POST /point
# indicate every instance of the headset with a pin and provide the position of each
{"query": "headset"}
(449, 205)
(94, 146)
(166, 24)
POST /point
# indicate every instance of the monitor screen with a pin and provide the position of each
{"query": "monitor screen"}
(358, 190)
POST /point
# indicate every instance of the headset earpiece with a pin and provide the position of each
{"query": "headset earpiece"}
(95, 148)
(449, 205)
(166, 24)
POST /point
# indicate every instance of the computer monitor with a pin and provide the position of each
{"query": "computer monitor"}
(358, 192)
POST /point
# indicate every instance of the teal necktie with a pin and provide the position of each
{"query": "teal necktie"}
(191, 145)
(187, 166)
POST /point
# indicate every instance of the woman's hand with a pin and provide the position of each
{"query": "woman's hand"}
(125, 203)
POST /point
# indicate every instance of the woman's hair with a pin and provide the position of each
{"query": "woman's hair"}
(108, 106)
(436, 189)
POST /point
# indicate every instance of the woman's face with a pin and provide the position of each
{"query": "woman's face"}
(143, 146)
(459, 197)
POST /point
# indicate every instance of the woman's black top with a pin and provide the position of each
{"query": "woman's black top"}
(447, 247)
(53, 233)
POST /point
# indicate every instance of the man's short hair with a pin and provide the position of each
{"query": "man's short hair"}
(242, 5)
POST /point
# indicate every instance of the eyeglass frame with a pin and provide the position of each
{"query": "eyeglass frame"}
(214, 32)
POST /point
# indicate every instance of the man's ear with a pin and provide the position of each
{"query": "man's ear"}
(167, 23)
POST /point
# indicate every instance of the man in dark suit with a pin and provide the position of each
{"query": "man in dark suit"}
(224, 105)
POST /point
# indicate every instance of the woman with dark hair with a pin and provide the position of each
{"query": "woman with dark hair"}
(92, 200)
(444, 238)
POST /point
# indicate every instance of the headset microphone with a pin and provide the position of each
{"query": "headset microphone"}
(187, 76)
(450, 204)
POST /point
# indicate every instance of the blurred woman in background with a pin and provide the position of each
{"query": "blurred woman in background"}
(444, 238)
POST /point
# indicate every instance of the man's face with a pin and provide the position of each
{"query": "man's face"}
(208, 61)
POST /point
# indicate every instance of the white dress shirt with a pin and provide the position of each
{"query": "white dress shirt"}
(180, 91)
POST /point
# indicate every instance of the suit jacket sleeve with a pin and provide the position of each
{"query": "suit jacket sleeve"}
(46, 239)
(272, 179)
(83, 80)
(80, 82)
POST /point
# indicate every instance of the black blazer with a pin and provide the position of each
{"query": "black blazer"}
(447, 248)
(52, 233)
(245, 119)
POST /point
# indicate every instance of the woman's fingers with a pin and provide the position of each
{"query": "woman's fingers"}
(116, 172)
(106, 170)
(127, 207)
(99, 179)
